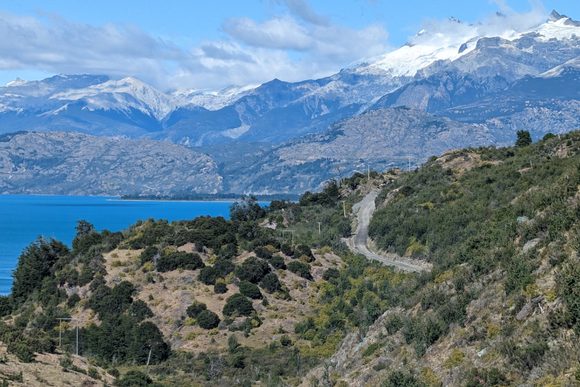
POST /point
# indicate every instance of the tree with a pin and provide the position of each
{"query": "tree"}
(300, 268)
(246, 209)
(238, 304)
(147, 337)
(195, 309)
(270, 283)
(134, 379)
(208, 275)
(524, 138)
(250, 290)
(34, 265)
(179, 260)
(252, 269)
(208, 319)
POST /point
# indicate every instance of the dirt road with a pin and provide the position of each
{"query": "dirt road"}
(359, 241)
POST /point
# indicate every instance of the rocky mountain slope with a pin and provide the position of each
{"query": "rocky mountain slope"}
(78, 164)
(496, 81)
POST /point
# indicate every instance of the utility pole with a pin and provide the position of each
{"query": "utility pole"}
(409, 163)
(60, 320)
(149, 356)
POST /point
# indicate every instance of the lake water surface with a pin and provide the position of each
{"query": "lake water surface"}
(23, 218)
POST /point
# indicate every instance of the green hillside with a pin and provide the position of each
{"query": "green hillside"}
(273, 296)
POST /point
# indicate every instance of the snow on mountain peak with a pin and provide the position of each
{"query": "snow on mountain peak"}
(212, 100)
(127, 92)
(16, 82)
(451, 39)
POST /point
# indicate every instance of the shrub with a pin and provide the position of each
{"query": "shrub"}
(287, 249)
(262, 252)
(300, 268)
(568, 287)
(73, 300)
(238, 304)
(223, 267)
(179, 260)
(402, 379)
(220, 287)
(277, 262)
(252, 270)
(148, 254)
(270, 283)
(195, 309)
(485, 377)
(301, 250)
(207, 319)
(250, 290)
(134, 379)
(208, 275)
(330, 274)
(524, 138)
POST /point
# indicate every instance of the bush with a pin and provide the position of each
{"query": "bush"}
(330, 274)
(134, 379)
(252, 270)
(402, 379)
(73, 300)
(568, 287)
(148, 254)
(207, 319)
(250, 290)
(223, 267)
(478, 377)
(524, 138)
(179, 260)
(300, 268)
(301, 250)
(262, 252)
(238, 304)
(277, 262)
(208, 275)
(220, 287)
(195, 309)
(287, 249)
(270, 283)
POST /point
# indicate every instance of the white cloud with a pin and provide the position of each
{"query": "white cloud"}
(296, 44)
(503, 23)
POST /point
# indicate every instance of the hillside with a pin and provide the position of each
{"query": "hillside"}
(273, 296)
(78, 164)
(265, 139)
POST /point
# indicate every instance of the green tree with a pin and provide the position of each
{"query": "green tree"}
(238, 304)
(34, 265)
(208, 319)
(250, 290)
(524, 138)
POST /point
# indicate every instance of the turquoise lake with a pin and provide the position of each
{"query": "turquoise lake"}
(23, 218)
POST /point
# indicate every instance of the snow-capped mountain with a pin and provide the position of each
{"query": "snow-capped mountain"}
(498, 79)
(212, 100)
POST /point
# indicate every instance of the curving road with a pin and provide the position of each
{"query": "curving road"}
(358, 243)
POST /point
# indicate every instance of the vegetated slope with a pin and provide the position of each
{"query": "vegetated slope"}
(78, 164)
(204, 300)
(378, 139)
(502, 228)
(232, 302)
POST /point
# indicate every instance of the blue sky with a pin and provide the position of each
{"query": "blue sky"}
(202, 44)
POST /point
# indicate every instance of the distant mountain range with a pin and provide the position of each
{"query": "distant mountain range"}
(456, 91)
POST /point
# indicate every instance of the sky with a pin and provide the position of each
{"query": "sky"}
(176, 44)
